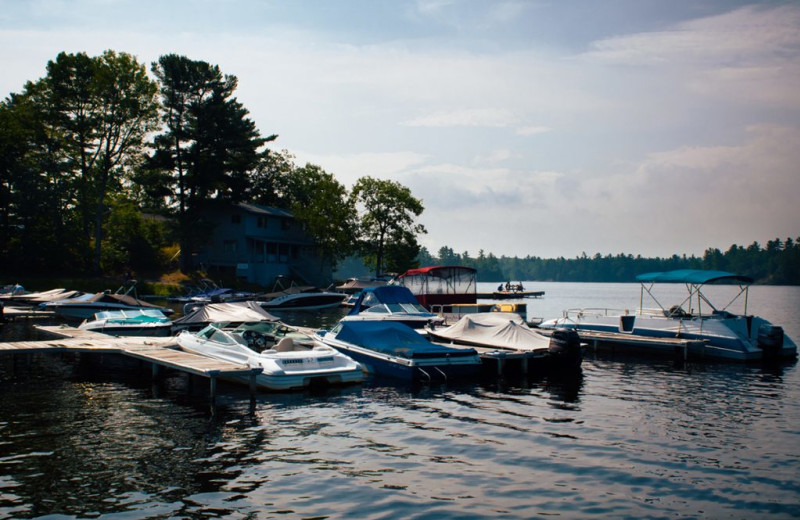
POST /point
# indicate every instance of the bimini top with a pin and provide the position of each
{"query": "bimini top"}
(395, 339)
(693, 276)
(437, 270)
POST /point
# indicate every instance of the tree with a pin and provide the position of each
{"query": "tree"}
(104, 107)
(321, 203)
(209, 145)
(387, 211)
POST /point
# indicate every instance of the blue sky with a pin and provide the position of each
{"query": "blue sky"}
(537, 127)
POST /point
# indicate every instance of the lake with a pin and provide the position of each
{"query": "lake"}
(628, 437)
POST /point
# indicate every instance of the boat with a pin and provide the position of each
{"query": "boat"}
(441, 284)
(298, 298)
(398, 351)
(286, 366)
(507, 331)
(84, 306)
(134, 322)
(391, 303)
(356, 285)
(711, 332)
(232, 313)
(17, 295)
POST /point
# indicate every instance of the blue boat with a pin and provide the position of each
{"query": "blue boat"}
(391, 303)
(396, 350)
(715, 331)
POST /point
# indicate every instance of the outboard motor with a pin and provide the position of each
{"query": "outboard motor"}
(770, 340)
(565, 348)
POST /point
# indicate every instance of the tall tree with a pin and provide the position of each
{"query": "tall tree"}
(104, 107)
(387, 212)
(322, 204)
(209, 144)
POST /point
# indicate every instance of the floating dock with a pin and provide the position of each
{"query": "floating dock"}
(663, 345)
(160, 352)
(509, 295)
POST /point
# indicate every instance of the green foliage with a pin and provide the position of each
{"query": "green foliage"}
(778, 263)
(132, 242)
(387, 229)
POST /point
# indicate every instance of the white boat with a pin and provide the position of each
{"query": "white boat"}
(287, 366)
(299, 298)
(715, 332)
(84, 306)
(135, 322)
(391, 303)
(396, 350)
(507, 331)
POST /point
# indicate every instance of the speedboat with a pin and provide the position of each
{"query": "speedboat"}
(391, 303)
(84, 306)
(715, 332)
(135, 322)
(507, 331)
(285, 366)
(396, 350)
(298, 298)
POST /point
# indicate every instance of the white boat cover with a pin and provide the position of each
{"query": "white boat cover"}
(235, 312)
(504, 330)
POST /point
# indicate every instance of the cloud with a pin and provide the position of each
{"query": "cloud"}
(485, 117)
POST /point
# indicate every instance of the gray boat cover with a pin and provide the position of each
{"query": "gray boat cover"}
(503, 330)
(235, 312)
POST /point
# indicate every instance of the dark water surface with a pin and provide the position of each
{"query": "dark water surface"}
(628, 437)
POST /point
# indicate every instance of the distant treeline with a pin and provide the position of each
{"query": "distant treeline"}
(778, 263)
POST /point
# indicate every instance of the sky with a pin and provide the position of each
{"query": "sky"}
(541, 128)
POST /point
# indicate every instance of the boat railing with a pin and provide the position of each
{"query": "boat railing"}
(578, 313)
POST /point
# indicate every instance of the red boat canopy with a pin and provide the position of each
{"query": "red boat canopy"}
(441, 284)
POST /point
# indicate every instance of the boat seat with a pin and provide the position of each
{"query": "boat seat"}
(285, 345)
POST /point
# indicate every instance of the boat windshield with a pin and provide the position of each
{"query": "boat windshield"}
(212, 333)
(408, 308)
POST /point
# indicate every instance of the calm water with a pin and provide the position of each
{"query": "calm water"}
(627, 438)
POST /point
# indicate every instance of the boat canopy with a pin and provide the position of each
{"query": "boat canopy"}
(441, 284)
(503, 330)
(692, 276)
(395, 339)
(236, 312)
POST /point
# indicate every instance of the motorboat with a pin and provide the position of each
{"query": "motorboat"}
(304, 301)
(232, 313)
(507, 331)
(391, 303)
(131, 322)
(299, 298)
(16, 294)
(84, 306)
(715, 332)
(356, 285)
(285, 366)
(396, 350)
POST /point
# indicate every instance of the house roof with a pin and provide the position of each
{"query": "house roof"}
(258, 209)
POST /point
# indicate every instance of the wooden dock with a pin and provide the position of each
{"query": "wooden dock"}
(664, 345)
(14, 313)
(160, 352)
(509, 295)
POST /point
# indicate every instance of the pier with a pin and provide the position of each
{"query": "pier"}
(665, 345)
(160, 352)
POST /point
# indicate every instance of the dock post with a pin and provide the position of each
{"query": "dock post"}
(524, 363)
(500, 360)
(156, 370)
(212, 389)
(253, 374)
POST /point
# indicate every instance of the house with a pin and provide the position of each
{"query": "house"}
(258, 244)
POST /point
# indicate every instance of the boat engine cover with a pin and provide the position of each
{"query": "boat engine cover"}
(770, 338)
(565, 347)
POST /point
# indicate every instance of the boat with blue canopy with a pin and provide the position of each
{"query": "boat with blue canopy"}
(715, 331)
(391, 303)
(396, 350)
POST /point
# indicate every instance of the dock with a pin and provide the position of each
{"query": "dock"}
(663, 345)
(160, 352)
(509, 295)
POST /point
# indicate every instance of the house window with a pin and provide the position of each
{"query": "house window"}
(229, 246)
(236, 219)
(286, 224)
(262, 222)
(272, 252)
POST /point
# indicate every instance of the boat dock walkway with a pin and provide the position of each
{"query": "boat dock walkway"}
(161, 352)
(13, 313)
(665, 345)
